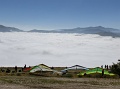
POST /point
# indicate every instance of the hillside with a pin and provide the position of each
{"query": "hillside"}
(88, 30)
(99, 30)
(9, 29)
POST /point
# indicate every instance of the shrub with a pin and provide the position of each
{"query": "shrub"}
(115, 68)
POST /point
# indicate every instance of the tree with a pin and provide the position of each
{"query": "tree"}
(115, 68)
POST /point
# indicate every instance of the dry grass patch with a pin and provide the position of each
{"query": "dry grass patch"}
(37, 82)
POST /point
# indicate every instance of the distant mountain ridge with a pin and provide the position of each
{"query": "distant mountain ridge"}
(9, 29)
(88, 30)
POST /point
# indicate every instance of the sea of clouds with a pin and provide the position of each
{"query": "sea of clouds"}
(56, 49)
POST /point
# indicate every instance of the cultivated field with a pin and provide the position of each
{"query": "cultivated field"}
(37, 82)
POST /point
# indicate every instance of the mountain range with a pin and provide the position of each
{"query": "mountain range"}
(9, 29)
(88, 30)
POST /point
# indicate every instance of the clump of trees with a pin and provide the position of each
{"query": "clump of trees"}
(115, 68)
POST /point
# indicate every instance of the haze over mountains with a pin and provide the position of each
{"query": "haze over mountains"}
(88, 30)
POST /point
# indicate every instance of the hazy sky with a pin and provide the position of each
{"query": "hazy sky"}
(57, 14)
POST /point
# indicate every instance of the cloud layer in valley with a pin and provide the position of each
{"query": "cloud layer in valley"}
(55, 49)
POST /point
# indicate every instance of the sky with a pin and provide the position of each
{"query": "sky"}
(59, 14)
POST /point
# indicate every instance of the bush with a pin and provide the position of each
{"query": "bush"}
(115, 68)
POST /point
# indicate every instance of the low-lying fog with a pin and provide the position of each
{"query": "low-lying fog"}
(55, 49)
